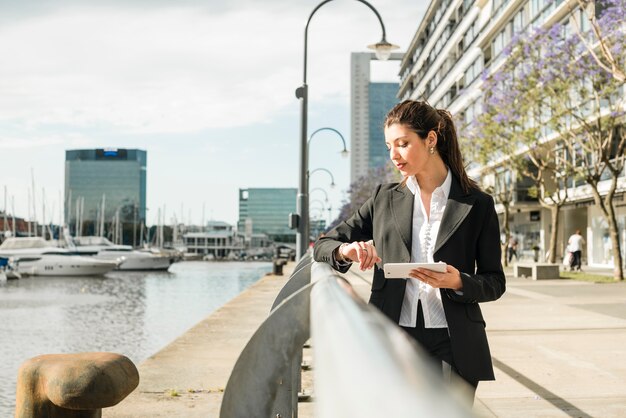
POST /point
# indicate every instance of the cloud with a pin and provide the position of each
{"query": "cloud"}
(205, 86)
(168, 70)
(161, 71)
(70, 141)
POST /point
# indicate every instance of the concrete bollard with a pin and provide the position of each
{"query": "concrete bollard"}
(73, 385)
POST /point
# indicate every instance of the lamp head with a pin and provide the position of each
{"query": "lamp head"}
(383, 49)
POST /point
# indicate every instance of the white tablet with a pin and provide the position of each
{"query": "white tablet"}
(402, 270)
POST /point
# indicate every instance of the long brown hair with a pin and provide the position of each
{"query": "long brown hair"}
(422, 118)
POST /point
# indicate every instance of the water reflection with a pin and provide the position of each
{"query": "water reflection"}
(133, 313)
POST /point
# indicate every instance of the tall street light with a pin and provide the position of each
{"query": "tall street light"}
(383, 52)
(319, 189)
(332, 178)
(344, 152)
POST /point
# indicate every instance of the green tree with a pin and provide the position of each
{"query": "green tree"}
(552, 103)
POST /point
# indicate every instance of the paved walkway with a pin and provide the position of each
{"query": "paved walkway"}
(557, 347)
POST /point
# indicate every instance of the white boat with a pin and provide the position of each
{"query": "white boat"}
(35, 256)
(128, 258)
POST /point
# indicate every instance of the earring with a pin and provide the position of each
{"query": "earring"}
(432, 150)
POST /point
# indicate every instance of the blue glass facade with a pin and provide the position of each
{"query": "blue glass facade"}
(268, 209)
(382, 97)
(118, 174)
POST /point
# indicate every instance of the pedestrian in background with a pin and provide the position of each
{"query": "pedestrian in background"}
(512, 248)
(575, 246)
(437, 213)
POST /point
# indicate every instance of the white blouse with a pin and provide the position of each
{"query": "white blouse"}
(424, 237)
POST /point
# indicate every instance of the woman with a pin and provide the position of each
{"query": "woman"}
(436, 214)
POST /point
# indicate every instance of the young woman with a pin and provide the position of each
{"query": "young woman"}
(436, 214)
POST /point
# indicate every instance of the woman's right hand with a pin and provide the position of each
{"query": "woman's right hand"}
(362, 252)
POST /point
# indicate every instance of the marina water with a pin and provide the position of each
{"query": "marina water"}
(131, 313)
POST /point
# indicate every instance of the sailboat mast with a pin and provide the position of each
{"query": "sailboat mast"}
(4, 225)
(203, 221)
(43, 213)
(13, 215)
(68, 210)
(32, 176)
(29, 218)
(102, 215)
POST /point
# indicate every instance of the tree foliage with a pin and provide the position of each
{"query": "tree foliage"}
(551, 105)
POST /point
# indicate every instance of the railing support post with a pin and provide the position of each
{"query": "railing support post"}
(261, 381)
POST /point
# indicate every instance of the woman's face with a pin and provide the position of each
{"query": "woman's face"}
(407, 150)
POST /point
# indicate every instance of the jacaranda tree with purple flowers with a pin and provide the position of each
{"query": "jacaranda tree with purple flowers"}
(601, 47)
(560, 114)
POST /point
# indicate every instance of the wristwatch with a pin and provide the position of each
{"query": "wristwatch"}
(339, 256)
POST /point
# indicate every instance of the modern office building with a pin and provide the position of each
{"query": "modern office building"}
(266, 211)
(113, 178)
(455, 42)
(369, 103)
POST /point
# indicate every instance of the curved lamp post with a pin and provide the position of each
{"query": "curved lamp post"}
(383, 51)
(321, 190)
(332, 178)
(317, 201)
(344, 152)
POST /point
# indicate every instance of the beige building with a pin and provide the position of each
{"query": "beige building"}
(454, 43)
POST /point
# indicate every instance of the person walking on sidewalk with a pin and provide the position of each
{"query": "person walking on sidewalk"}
(436, 214)
(575, 246)
(512, 248)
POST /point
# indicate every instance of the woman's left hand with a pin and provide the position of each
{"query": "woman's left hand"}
(451, 279)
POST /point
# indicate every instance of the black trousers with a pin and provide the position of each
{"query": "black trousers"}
(436, 342)
(576, 260)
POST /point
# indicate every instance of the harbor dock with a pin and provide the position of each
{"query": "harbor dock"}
(556, 347)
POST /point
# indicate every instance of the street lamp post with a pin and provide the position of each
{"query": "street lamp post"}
(344, 152)
(319, 189)
(383, 51)
(332, 178)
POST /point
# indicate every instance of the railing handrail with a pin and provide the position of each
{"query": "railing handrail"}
(365, 366)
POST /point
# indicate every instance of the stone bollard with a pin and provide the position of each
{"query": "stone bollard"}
(73, 385)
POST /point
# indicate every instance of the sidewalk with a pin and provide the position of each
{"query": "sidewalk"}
(557, 348)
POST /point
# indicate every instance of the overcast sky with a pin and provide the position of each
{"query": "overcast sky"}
(205, 87)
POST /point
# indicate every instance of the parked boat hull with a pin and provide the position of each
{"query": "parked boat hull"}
(136, 260)
(65, 266)
(154, 263)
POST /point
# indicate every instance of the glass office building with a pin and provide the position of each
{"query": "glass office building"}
(369, 104)
(117, 174)
(266, 211)
(382, 97)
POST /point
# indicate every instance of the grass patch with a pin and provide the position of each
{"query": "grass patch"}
(587, 277)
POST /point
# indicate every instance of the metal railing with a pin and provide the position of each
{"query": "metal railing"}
(365, 366)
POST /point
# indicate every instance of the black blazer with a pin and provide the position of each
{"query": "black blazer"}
(468, 239)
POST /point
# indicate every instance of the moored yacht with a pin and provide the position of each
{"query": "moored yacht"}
(128, 258)
(35, 256)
